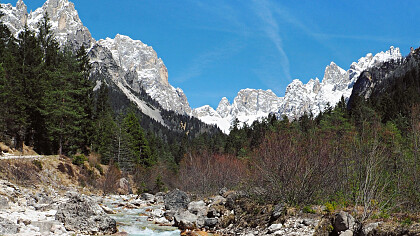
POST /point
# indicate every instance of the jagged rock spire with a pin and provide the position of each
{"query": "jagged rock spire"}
(20, 5)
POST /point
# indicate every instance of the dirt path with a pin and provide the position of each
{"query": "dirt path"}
(11, 157)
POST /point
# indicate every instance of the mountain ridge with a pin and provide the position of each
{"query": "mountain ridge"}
(131, 65)
(312, 97)
(134, 73)
(151, 72)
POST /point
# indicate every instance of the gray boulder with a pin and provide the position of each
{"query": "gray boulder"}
(198, 208)
(210, 222)
(147, 197)
(8, 227)
(186, 220)
(344, 221)
(83, 215)
(4, 202)
(176, 200)
(124, 186)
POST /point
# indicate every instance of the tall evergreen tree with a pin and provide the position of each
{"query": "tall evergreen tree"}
(105, 129)
(136, 140)
(64, 103)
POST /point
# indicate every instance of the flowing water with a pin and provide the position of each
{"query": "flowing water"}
(135, 223)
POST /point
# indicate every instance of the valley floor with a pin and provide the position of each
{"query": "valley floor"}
(38, 198)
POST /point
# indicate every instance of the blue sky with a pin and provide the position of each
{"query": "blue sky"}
(215, 48)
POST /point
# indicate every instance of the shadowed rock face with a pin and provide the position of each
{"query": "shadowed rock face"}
(377, 80)
(83, 215)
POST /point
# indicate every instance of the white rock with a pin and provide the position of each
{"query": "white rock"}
(346, 233)
(274, 227)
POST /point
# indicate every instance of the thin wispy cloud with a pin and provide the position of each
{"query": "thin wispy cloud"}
(196, 68)
(270, 26)
(309, 29)
(206, 60)
(230, 22)
(229, 18)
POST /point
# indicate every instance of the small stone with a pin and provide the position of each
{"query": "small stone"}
(274, 227)
(24, 221)
(147, 197)
(157, 212)
(369, 229)
(4, 202)
(218, 200)
(346, 233)
(278, 211)
(211, 222)
(223, 191)
(108, 210)
(310, 222)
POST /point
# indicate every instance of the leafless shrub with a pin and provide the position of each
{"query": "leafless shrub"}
(22, 172)
(203, 172)
(110, 184)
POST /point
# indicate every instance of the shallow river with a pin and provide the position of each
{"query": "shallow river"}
(135, 223)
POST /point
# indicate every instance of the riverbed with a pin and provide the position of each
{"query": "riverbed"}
(136, 222)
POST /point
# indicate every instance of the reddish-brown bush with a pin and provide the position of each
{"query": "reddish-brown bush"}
(207, 173)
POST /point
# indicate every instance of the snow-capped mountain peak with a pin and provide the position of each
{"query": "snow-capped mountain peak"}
(20, 5)
(68, 28)
(224, 107)
(312, 97)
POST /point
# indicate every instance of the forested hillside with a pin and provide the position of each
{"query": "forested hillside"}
(46, 96)
(49, 103)
(365, 155)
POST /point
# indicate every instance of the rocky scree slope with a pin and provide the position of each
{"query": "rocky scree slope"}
(312, 97)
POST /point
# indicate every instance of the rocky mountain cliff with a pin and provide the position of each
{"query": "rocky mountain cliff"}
(125, 65)
(312, 97)
(65, 21)
(147, 70)
(131, 70)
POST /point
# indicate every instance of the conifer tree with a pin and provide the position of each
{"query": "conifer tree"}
(136, 140)
(50, 58)
(105, 128)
